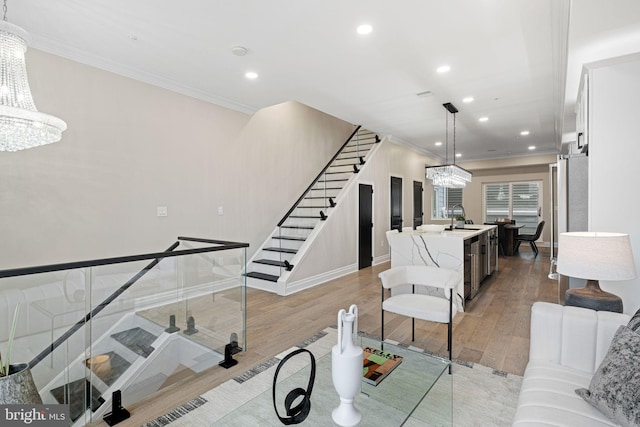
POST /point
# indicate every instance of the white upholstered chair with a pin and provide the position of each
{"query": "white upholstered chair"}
(434, 308)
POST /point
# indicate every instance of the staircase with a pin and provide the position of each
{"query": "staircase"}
(136, 356)
(278, 253)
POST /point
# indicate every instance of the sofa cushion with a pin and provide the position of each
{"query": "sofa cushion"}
(548, 397)
(615, 387)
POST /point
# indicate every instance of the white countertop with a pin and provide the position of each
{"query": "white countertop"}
(467, 232)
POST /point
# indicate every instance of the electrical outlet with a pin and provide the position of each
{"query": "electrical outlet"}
(220, 210)
(162, 211)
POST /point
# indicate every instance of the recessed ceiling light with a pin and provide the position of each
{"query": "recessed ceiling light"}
(458, 155)
(438, 143)
(251, 75)
(467, 99)
(483, 119)
(239, 50)
(364, 29)
(532, 147)
(443, 68)
(524, 133)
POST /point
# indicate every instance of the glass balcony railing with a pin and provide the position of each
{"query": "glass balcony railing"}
(134, 324)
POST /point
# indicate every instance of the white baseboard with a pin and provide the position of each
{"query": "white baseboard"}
(309, 282)
(382, 259)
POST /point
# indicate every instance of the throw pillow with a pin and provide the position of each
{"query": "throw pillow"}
(615, 387)
(634, 323)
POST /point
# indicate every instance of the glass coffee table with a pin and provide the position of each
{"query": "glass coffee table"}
(418, 392)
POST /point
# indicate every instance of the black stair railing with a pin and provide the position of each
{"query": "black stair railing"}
(155, 257)
(305, 192)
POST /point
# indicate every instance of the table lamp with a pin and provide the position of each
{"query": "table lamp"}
(595, 256)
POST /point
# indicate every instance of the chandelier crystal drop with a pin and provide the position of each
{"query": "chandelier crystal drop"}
(22, 126)
(449, 175)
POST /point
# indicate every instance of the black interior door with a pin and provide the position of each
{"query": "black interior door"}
(396, 203)
(365, 226)
(417, 204)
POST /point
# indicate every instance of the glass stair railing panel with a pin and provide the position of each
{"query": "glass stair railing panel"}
(90, 331)
(48, 303)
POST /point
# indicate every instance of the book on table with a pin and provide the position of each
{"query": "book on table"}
(377, 364)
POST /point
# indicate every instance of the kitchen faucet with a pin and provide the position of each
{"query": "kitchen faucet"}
(452, 215)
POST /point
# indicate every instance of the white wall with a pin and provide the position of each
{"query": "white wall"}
(614, 150)
(131, 147)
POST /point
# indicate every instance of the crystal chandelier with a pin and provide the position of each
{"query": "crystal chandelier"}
(449, 175)
(21, 125)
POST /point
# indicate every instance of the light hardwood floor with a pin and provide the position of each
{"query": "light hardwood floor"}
(493, 330)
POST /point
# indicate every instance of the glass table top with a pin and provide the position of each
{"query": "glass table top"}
(418, 392)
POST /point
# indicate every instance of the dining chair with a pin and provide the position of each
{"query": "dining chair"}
(440, 308)
(531, 238)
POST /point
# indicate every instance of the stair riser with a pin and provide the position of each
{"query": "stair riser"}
(288, 244)
(323, 192)
(262, 284)
(332, 182)
(344, 166)
(314, 212)
(295, 232)
(347, 161)
(302, 222)
(345, 173)
(312, 207)
(267, 269)
(354, 152)
(276, 256)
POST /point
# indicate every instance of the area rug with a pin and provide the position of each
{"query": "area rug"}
(481, 396)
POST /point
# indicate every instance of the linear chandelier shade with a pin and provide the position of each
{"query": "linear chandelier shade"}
(449, 175)
(22, 126)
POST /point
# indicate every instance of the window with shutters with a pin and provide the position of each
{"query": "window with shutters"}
(443, 199)
(521, 201)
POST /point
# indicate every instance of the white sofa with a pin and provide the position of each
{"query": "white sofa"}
(567, 346)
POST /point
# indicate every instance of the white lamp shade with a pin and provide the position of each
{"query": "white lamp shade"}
(596, 256)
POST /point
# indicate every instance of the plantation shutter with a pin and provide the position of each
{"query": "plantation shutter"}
(497, 201)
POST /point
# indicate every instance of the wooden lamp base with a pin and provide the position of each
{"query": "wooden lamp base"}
(591, 296)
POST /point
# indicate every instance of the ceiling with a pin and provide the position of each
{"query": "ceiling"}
(510, 56)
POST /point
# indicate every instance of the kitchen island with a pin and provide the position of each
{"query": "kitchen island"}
(472, 250)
